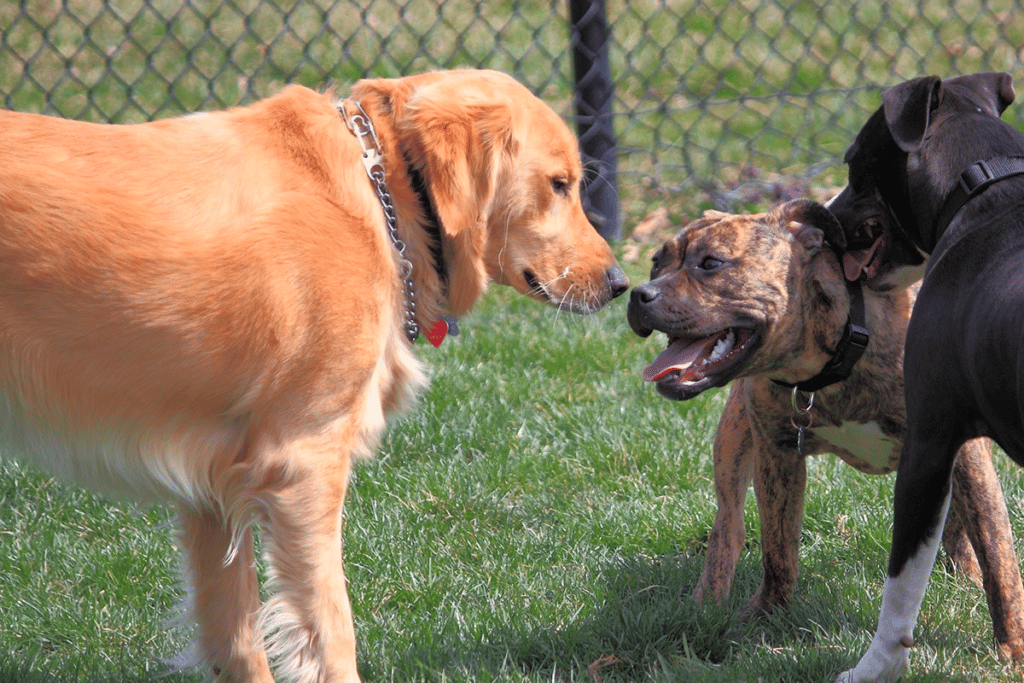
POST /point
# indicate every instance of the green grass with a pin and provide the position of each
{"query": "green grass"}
(539, 517)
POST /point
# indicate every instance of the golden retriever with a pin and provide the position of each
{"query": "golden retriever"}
(210, 310)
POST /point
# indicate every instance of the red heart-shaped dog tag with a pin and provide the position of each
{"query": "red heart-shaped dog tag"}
(436, 334)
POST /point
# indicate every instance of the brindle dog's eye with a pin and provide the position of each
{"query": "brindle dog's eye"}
(711, 263)
(656, 262)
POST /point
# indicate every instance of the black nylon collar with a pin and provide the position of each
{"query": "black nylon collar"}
(973, 181)
(849, 350)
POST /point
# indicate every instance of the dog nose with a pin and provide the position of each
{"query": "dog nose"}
(617, 281)
(644, 294)
(638, 312)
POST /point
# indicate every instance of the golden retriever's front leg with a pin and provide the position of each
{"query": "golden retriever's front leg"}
(309, 617)
(224, 598)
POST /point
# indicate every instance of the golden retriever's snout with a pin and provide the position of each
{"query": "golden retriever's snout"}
(578, 293)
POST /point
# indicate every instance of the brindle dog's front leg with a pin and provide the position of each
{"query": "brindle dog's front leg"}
(780, 480)
(734, 467)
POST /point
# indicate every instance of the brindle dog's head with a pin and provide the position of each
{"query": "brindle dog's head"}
(744, 295)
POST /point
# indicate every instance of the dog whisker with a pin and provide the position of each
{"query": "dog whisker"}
(566, 302)
(545, 287)
(591, 171)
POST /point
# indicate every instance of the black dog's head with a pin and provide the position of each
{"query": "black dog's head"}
(903, 163)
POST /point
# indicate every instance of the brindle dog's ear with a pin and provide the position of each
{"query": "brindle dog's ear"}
(811, 213)
(908, 108)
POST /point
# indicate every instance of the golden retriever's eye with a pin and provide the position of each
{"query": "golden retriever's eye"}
(560, 185)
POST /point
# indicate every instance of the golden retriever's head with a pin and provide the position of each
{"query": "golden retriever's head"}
(503, 173)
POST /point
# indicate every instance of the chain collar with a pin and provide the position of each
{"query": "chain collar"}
(801, 418)
(361, 126)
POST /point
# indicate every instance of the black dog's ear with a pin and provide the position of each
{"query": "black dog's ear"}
(816, 222)
(994, 88)
(908, 108)
(1004, 90)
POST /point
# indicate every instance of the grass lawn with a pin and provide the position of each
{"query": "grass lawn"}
(540, 517)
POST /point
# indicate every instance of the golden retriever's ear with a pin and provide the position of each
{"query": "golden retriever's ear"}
(458, 145)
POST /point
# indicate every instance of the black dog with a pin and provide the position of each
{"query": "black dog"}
(936, 181)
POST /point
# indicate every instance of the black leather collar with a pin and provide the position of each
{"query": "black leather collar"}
(972, 182)
(849, 350)
(432, 226)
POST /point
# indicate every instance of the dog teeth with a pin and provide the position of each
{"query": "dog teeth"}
(723, 346)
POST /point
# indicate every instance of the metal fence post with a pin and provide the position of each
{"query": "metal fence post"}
(593, 105)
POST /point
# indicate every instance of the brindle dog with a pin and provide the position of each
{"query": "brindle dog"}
(749, 299)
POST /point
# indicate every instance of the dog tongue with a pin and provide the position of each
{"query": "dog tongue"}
(856, 262)
(679, 355)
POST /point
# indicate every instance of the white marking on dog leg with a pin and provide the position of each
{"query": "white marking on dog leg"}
(887, 659)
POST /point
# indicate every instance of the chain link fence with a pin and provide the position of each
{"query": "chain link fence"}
(728, 102)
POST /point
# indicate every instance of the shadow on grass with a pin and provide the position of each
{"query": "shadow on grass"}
(645, 622)
(644, 627)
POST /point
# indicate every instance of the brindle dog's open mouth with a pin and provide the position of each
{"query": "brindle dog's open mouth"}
(692, 364)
